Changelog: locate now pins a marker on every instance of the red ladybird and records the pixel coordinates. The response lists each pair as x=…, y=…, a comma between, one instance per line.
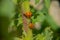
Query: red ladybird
x=31, y=25
x=28, y=14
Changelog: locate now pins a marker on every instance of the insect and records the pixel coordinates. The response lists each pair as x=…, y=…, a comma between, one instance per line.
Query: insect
x=28, y=14
x=31, y=25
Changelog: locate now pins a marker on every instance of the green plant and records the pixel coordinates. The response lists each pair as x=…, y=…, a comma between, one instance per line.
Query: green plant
x=18, y=20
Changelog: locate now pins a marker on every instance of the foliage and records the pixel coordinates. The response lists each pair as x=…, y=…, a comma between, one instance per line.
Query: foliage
x=11, y=21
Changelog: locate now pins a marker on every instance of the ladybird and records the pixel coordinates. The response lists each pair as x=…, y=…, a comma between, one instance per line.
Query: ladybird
x=28, y=14
x=31, y=25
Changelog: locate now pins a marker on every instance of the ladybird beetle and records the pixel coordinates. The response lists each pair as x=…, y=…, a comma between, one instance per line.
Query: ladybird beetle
x=28, y=14
x=31, y=25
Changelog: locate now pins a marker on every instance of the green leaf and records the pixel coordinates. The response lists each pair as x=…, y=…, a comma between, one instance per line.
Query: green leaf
x=7, y=9
x=47, y=3
x=52, y=23
x=40, y=37
x=49, y=32
x=28, y=35
x=37, y=1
